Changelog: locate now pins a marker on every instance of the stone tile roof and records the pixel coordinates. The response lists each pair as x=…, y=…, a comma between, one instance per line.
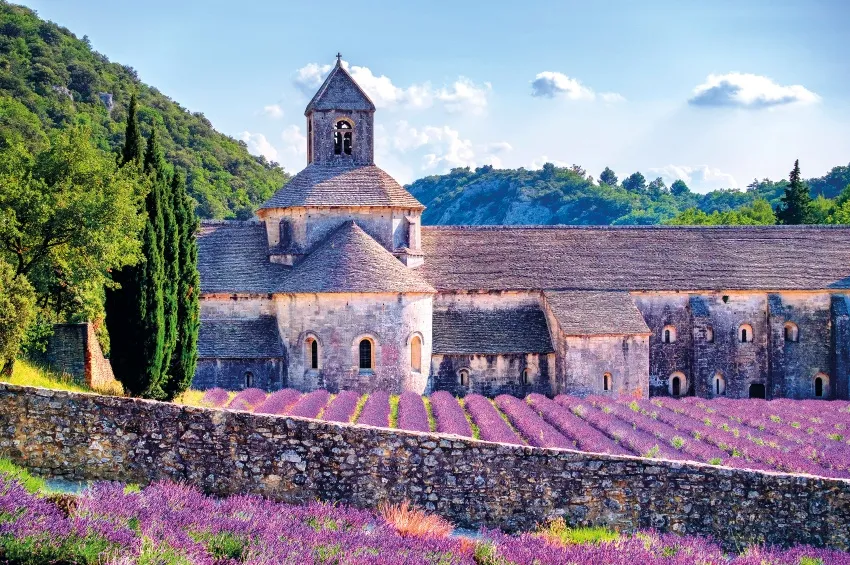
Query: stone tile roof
x=234, y=257
x=349, y=260
x=483, y=331
x=587, y=312
x=340, y=92
x=342, y=185
x=637, y=258
x=239, y=339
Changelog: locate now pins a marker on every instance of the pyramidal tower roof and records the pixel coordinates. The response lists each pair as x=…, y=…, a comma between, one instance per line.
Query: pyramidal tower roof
x=339, y=91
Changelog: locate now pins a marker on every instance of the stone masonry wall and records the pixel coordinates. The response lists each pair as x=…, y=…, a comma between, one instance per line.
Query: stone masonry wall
x=472, y=483
x=74, y=349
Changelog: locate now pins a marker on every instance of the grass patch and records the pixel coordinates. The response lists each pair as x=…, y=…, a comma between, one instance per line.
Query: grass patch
x=190, y=398
x=678, y=442
x=26, y=373
x=432, y=422
x=394, y=411
x=557, y=531
x=359, y=408
x=30, y=482
x=413, y=522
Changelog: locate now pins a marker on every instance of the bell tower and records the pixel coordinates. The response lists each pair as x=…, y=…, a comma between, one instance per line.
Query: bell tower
x=340, y=122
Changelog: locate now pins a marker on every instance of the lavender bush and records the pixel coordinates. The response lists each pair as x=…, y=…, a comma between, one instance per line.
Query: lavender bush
x=215, y=397
x=309, y=405
x=450, y=417
x=376, y=411
x=278, y=402
x=491, y=425
x=534, y=429
x=247, y=399
x=411, y=413
x=341, y=408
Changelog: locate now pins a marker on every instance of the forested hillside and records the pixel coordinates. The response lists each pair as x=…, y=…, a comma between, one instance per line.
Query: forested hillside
x=50, y=79
x=569, y=195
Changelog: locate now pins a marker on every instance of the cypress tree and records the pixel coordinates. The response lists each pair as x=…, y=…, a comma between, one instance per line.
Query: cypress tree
x=796, y=203
x=155, y=165
x=133, y=143
x=185, y=357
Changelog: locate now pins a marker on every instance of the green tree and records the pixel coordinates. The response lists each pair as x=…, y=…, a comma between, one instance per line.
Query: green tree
x=17, y=305
x=133, y=143
x=185, y=357
x=608, y=177
x=758, y=214
x=68, y=216
x=796, y=204
x=679, y=188
x=635, y=182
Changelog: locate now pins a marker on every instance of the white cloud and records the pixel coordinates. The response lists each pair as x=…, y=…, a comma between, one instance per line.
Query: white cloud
x=443, y=148
x=294, y=141
x=465, y=96
x=462, y=96
x=750, y=91
x=542, y=160
x=549, y=84
x=274, y=111
x=699, y=179
x=259, y=145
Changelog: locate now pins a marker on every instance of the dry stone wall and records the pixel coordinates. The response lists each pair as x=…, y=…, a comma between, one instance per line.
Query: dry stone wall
x=472, y=483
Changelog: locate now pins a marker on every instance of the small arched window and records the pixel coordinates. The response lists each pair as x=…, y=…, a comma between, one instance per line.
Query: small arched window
x=668, y=334
x=709, y=334
x=607, y=382
x=745, y=333
x=463, y=377
x=366, y=351
x=343, y=140
x=792, y=332
x=821, y=385
x=312, y=352
x=249, y=379
x=416, y=354
x=757, y=391
x=524, y=377
x=678, y=384
x=719, y=388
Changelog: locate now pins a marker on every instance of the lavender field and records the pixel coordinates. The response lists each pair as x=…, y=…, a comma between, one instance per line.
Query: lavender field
x=170, y=524
x=795, y=436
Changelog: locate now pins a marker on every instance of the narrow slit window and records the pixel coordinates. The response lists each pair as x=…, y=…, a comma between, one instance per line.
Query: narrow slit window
x=314, y=354
x=416, y=354
x=606, y=382
x=249, y=379
x=463, y=377
x=365, y=354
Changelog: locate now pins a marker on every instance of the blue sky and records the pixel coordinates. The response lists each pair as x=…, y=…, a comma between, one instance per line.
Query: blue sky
x=714, y=92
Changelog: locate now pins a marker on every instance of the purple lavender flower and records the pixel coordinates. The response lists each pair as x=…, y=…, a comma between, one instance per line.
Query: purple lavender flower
x=450, y=417
x=247, y=399
x=278, y=402
x=215, y=397
x=309, y=405
x=341, y=408
x=491, y=425
x=376, y=411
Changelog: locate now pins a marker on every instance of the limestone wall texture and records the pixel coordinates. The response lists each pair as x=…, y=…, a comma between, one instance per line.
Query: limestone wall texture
x=472, y=483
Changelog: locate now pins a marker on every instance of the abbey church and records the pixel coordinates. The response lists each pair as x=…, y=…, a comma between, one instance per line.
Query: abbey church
x=337, y=285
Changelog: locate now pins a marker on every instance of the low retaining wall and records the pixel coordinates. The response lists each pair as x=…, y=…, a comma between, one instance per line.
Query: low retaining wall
x=472, y=483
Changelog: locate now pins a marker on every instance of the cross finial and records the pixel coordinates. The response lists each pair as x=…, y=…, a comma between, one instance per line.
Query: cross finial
x=338, y=58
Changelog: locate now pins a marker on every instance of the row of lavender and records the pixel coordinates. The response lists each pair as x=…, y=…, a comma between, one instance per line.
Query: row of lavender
x=808, y=436
x=173, y=524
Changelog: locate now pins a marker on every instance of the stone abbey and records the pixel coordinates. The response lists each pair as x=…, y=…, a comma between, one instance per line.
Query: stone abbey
x=337, y=285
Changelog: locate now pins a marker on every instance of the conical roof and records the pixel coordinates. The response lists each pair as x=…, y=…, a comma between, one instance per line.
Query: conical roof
x=349, y=260
x=342, y=185
x=340, y=92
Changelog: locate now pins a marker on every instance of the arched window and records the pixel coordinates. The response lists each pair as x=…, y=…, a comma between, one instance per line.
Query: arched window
x=416, y=354
x=524, y=377
x=792, y=332
x=757, y=390
x=821, y=385
x=745, y=333
x=249, y=379
x=343, y=132
x=709, y=334
x=678, y=384
x=463, y=377
x=367, y=359
x=607, y=382
x=719, y=388
x=312, y=353
x=668, y=334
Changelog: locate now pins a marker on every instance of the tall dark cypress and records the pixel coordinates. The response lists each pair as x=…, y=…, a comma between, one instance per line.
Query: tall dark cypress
x=133, y=143
x=123, y=302
x=156, y=167
x=796, y=203
x=185, y=357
